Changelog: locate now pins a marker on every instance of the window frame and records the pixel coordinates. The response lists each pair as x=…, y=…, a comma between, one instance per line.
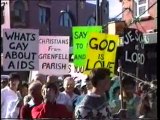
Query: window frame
x=138, y=6
x=21, y=12
x=43, y=12
x=89, y=21
x=65, y=19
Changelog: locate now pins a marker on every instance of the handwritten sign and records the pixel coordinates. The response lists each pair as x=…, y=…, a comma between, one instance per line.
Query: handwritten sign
x=53, y=55
x=20, y=49
x=101, y=51
x=133, y=50
x=80, y=41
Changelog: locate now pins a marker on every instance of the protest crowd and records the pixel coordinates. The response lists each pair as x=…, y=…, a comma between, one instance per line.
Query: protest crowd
x=97, y=97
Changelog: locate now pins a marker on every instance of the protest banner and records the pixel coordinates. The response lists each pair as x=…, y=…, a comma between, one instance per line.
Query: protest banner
x=5, y=15
x=20, y=49
x=101, y=51
x=80, y=41
x=133, y=51
x=53, y=55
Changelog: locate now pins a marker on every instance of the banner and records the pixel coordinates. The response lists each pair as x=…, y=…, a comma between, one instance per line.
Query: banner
x=133, y=51
x=101, y=51
x=80, y=40
x=5, y=15
x=20, y=49
x=53, y=55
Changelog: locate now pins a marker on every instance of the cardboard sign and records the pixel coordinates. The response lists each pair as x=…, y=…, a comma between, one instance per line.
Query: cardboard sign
x=133, y=50
x=80, y=41
x=53, y=55
x=20, y=49
x=101, y=51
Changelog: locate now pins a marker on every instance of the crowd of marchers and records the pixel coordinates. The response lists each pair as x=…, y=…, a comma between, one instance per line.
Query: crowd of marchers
x=96, y=98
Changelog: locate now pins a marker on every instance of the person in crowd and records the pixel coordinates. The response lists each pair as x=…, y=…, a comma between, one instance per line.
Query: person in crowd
x=49, y=108
x=9, y=94
x=16, y=105
x=35, y=98
x=68, y=85
x=4, y=82
x=61, y=97
x=40, y=77
x=114, y=91
x=83, y=91
x=131, y=100
x=94, y=105
x=144, y=109
x=139, y=89
x=23, y=89
x=77, y=86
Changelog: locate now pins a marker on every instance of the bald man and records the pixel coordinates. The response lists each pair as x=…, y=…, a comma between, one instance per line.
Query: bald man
x=34, y=92
x=68, y=85
x=40, y=77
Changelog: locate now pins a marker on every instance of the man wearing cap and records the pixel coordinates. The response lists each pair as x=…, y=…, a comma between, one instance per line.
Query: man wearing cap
x=9, y=94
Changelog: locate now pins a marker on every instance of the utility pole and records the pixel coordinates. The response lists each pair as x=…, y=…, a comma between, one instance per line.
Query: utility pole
x=97, y=13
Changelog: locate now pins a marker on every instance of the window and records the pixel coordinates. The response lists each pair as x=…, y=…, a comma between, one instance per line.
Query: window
x=91, y=21
x=65, y=19
x=140, y=7
x=19, y=11
x=44, y=15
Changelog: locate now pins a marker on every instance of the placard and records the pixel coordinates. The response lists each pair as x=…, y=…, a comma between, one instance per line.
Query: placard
x=53, y=55
x=20, y=49
x=101, y=51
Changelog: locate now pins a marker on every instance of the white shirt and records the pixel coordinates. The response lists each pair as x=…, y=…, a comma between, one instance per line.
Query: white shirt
x=7, y=96
x=73, y=96
x=63, y=99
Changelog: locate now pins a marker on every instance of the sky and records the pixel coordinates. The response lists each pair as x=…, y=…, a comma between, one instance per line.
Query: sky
x=115, y=7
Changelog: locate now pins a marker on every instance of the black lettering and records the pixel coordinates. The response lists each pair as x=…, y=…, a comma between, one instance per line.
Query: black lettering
x=110, y=65
x=69, y=68
x=23, y=64
x=16, y=36
x=31, y=66
x=95, y=45
x=101, y=56
x=102, y=44
x=33, y=37
x=9, y=36
x=11, y=45
x=87, y=65
x=11, y=65
x=98, y=62
x=111, y=46
x=23, y=37
x=7, y=55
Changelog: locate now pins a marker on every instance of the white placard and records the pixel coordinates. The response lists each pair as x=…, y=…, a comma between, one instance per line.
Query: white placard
x=53, y=55
x=20, y=49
